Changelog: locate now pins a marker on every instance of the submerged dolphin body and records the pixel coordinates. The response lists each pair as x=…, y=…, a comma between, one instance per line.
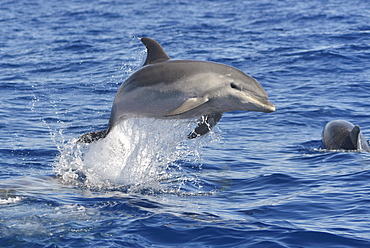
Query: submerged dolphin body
x=165, y=88
x=340, y=134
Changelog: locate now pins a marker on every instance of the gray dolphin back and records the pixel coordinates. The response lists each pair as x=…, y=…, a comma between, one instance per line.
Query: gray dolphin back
x=155, y=54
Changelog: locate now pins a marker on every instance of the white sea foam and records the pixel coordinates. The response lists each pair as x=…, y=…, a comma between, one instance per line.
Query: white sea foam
x=10, y=200
x=137, y=153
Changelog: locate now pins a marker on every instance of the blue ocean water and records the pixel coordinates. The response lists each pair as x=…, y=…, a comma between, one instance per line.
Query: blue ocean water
x=258, y=180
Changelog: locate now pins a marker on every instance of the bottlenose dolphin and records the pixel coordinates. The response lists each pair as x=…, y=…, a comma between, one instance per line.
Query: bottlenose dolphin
x=340, y=134
x=165, y=88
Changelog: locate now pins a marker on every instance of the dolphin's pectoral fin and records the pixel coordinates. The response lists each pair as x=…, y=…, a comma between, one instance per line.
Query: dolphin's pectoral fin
x=93, y=136
x=205, y=124
x=188, y=105
x=351, y=141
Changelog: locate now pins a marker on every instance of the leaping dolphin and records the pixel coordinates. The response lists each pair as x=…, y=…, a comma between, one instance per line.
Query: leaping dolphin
x=340, y=134
x=165, y=88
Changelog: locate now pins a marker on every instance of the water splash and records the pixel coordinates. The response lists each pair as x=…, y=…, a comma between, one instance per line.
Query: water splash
x=10, y=200
x=138, y=154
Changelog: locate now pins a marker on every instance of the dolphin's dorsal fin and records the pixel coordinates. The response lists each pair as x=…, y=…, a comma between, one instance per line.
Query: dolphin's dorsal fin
x=188, y=105
x=156, y=54
x=354, y=134
x=351, y=141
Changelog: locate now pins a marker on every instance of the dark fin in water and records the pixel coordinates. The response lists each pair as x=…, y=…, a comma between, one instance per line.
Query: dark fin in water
x=351, y=141
x=156, y=53
x=355, y=134
x=205, y=124
x=93, y=136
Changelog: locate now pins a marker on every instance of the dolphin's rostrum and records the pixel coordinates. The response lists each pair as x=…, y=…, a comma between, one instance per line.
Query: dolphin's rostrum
x=165, y=88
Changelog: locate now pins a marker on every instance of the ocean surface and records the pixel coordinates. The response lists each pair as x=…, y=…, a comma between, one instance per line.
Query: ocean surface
x=257, y=180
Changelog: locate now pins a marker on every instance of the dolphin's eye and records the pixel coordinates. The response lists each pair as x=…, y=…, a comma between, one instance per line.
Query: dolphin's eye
x=234, y=86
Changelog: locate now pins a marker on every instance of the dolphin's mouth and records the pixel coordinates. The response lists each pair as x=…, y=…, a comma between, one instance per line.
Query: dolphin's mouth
x=268, y=107
x=261, y=104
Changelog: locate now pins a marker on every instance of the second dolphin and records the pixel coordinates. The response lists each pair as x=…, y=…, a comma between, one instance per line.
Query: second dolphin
x=341, y=134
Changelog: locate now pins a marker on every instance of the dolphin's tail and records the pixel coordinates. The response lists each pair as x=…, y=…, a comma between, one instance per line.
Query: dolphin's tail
x=93, y=136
